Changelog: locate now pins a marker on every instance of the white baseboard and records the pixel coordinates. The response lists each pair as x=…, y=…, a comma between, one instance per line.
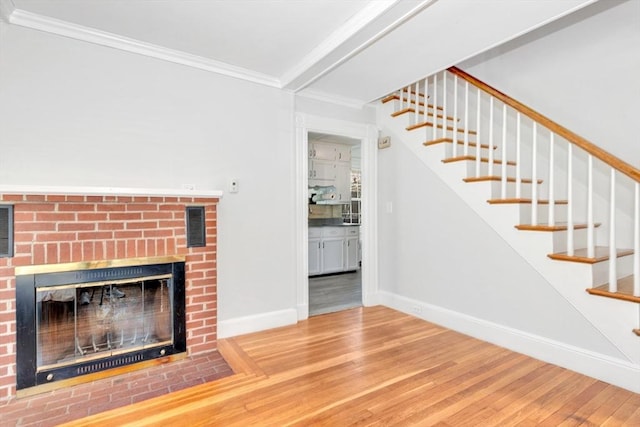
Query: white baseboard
x=256, y=322
x=613, y=371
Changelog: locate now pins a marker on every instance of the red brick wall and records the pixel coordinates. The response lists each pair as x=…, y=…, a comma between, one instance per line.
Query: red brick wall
x=52, y=229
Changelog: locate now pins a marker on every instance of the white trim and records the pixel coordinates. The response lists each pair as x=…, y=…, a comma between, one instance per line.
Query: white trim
x=102, y=191
x=256, y=322
x=331, y=98
x=103, y=38
x=347, y=30
x=611, y=370
x=367, y=134
x=362, y=46
x=7, y=7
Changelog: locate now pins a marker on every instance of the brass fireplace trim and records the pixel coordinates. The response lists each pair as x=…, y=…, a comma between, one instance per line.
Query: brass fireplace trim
x=96, y=376
x=91, y=265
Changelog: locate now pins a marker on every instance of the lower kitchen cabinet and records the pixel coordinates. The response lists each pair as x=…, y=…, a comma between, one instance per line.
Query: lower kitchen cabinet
x=333, y=249
x=315, y=266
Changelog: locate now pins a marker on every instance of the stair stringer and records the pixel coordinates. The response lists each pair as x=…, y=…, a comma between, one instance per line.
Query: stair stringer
x=613, y=318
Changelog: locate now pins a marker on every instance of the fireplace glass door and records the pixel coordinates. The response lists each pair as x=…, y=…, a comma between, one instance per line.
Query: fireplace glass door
x=87, y=321
x=78, y=322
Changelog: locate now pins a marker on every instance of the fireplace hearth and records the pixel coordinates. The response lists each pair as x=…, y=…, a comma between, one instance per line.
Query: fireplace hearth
x=81, y=318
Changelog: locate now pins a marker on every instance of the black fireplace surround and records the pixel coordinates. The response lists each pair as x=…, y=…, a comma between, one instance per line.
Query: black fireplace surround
x=74, y=323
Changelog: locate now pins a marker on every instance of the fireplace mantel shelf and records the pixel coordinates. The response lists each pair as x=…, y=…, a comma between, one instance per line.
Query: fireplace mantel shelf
x=102, y=191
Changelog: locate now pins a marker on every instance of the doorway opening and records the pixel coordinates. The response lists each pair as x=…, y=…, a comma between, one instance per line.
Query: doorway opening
x=334, y=220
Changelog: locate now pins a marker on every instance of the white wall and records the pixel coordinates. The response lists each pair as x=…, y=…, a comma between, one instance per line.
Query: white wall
x=581, y=71
x=73, y=113
x=434, y=249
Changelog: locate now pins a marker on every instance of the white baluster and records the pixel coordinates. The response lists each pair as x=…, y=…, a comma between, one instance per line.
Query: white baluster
x=417, y=106
x=435, y=107
x=478, y=135
x=490, y=173
x=503, y=186
x=591, y=249
x=552, y=202
x=426, y=96
x=466, y=119
x=534, y=176
x=444, y=104
x=455, y=115
x=401, y=103
x=570, y=245
x=613, y=274
x=518, y=171
x=636, y=242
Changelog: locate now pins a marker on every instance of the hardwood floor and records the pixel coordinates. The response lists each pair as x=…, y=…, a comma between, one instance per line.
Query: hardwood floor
x=335, y=292
x=376, y=366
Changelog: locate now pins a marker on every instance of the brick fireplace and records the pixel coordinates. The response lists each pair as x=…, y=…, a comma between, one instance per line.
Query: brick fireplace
x=58, y=228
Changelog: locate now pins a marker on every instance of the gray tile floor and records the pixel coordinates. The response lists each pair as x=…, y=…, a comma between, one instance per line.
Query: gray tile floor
x=335, y=292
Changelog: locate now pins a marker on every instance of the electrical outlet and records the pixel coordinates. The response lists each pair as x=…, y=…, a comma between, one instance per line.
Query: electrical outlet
x=188, y=186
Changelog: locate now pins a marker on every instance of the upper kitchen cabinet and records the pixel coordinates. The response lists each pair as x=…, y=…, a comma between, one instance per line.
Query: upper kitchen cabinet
x=323, y=151
x=343, y=153
x=330, y=168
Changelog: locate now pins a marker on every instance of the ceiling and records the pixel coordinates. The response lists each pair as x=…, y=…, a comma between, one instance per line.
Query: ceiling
x=354, y=51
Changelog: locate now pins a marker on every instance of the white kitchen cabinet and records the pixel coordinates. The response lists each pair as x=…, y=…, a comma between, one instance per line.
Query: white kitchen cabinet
x=330, y=166
x=322, y=171
x=332, y=255
x=343, y=182
x=352, y=250
x=322, y=151
x=333, y=249
x=343, y=153
x=315, y=260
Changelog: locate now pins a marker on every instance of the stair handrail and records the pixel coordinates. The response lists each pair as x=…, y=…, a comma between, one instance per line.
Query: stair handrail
x=558, y=129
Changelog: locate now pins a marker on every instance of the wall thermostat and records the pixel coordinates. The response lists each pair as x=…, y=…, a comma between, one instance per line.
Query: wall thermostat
x=384, y=142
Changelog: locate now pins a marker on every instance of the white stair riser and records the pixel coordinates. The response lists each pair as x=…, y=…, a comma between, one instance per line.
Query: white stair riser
x=484, y=169
x=496, y=192
x=560, y=213
x=624, y=268
x=560, y=240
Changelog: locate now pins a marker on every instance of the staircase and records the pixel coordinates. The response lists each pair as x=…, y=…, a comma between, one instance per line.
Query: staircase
x=568, y=207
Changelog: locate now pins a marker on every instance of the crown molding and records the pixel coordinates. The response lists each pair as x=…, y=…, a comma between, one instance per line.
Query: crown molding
x=361, y=19
x=103, y=38
x=331, y=98
x=6, y=10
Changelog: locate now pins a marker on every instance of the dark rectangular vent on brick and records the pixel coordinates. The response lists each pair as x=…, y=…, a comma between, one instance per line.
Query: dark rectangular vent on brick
x=6, y=230
x=196, y=235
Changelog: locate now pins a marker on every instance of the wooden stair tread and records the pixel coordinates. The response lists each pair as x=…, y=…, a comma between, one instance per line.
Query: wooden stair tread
x=395, y=97
x=524, y=201
x=625, y=290
x=601, y=253
x=637, y=332
x=498, y=178
x=482, y=159
x=559, y=226
x=430, y=124
x=421, y=113
x=450, y=140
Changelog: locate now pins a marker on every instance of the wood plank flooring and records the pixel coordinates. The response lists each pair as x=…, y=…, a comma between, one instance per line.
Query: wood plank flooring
x=335, y=292
x=376, y=366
